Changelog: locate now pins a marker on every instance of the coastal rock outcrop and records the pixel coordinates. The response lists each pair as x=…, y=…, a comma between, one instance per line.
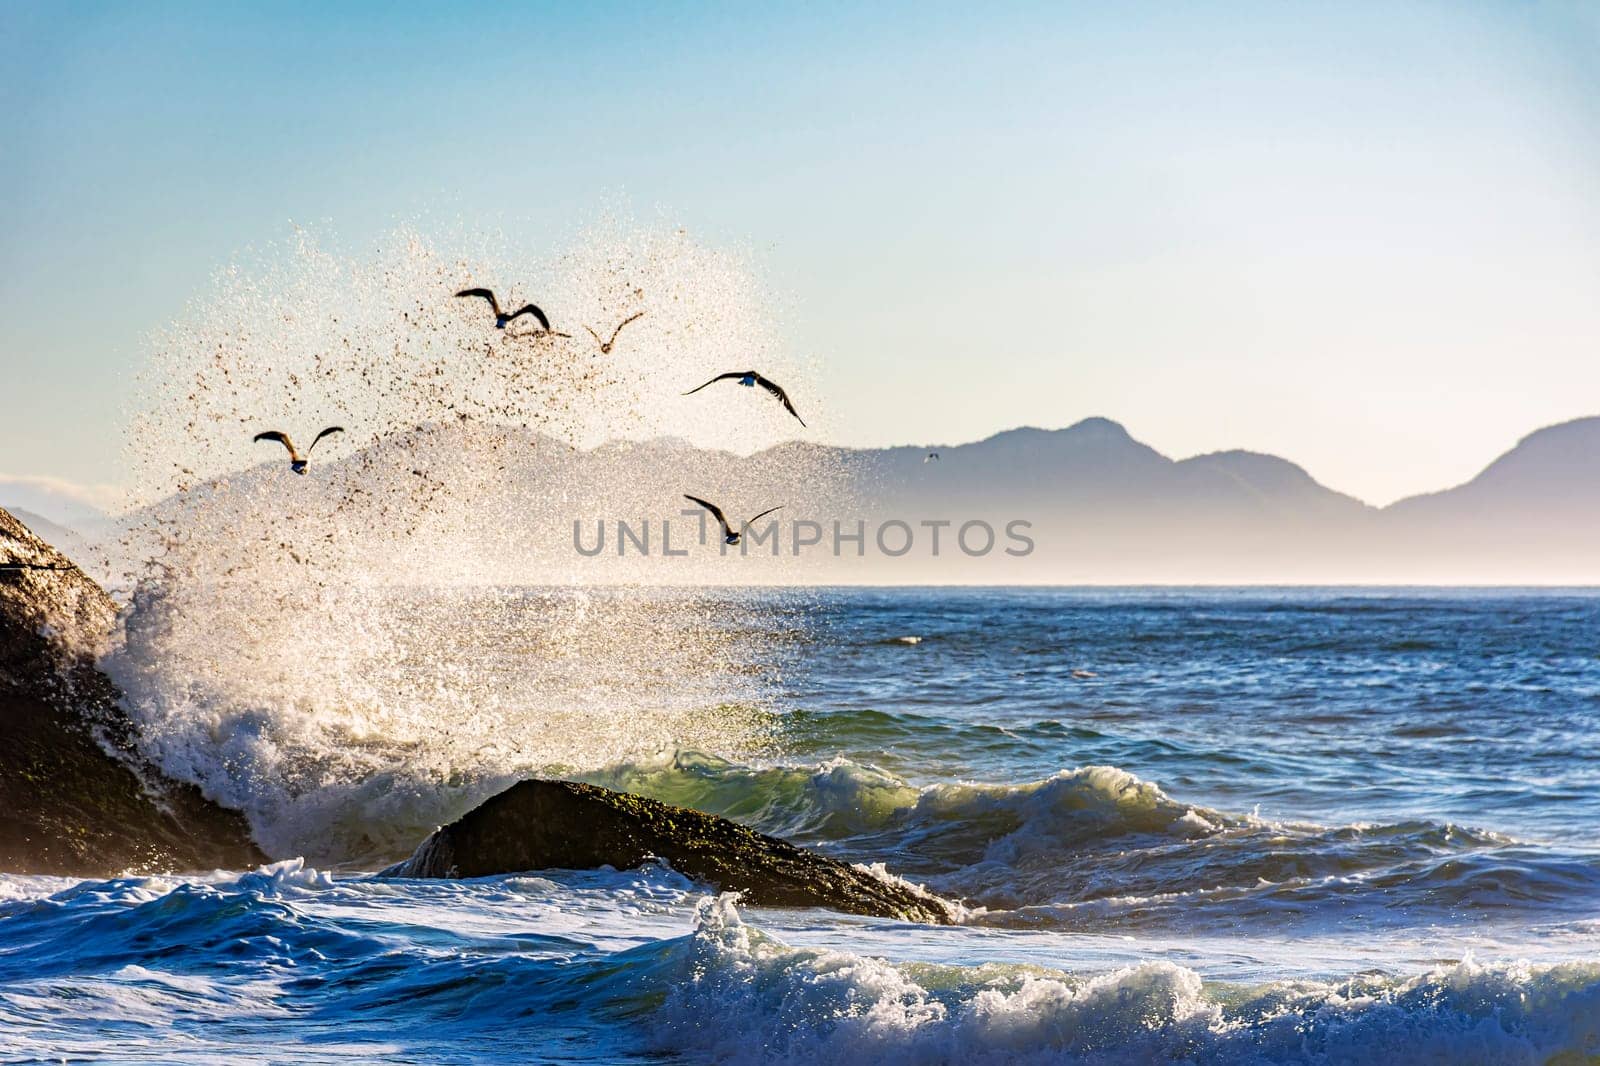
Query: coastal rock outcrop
x=75, y=796
x=539, y=825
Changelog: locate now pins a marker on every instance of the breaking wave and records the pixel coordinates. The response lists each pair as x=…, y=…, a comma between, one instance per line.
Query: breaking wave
x=738, y=995
x=196, y=970
x=1096, y=848
x=353, y=655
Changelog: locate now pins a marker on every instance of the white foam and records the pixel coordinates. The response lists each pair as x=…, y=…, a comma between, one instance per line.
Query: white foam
x=743, y=996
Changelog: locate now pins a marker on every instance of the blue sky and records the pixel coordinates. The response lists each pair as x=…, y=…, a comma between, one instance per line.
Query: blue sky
x=1362, y=236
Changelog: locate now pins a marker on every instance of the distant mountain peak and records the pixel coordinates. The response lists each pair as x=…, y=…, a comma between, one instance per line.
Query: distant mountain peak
x=1563, y=431
x=1270, y=475
x=1243, y=458
x=1551, y=472
x=1099, y=425
x=1088, y=429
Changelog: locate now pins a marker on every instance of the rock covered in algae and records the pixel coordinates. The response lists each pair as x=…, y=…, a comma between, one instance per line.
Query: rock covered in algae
x=542, y=825
x=75, y=796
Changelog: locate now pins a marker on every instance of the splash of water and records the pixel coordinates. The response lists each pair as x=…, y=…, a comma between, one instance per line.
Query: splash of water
x=291, y=645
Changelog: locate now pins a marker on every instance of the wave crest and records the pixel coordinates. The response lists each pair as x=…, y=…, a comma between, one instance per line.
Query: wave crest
x=739, y=995
x=1097, y=848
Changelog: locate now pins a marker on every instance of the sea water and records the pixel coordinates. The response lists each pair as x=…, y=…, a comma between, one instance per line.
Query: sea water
x=1208, y=826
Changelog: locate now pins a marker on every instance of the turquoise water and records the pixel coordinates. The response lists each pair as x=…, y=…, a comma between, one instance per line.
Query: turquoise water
x=1213, y=826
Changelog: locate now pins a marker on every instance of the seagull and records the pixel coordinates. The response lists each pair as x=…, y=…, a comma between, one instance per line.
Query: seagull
x=931, y=457
x=297, y=462
x=750, y=379
x=605, y=346
x=501, y=319
x=729, y=534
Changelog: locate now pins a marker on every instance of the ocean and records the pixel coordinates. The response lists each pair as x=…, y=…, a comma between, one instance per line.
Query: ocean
x=1189, y=826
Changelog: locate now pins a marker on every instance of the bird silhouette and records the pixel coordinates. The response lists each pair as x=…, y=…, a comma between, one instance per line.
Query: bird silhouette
x=605, y=346
x=297, y=462
x=750, y=379
x=501, y=319
x=931, y=457
x=729, y=534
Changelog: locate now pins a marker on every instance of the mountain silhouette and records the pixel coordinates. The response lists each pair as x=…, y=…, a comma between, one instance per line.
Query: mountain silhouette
x=1550, y=476
x=1099, y=506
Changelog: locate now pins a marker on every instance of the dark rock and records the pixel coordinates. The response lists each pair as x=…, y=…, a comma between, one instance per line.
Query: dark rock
x=75, y=796
x=541, y=825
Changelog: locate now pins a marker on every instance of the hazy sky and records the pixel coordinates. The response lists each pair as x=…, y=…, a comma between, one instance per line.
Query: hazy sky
x=1365, y=237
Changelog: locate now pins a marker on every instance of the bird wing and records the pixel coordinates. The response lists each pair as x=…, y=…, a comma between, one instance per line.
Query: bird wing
x=535, y=312
x=281, y=438
x=783, y=397
x=713, y=381
x=715, y=511
x=763, y=514
x=485, y=294
x=330, y=431
x=624, y=322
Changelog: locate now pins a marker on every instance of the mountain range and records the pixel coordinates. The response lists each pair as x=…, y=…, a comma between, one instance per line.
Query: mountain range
x=1114, y=509
x=1100, y=507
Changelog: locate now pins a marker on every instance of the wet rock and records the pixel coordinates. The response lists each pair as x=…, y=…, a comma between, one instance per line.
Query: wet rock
x=75, y=796
x=541, y=825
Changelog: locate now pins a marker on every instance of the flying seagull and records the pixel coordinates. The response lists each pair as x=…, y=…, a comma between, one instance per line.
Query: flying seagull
x=605, y=346
x=501, y=319
x=931, y=457
x=297, y=462
x=750, y=379
x=729, y=534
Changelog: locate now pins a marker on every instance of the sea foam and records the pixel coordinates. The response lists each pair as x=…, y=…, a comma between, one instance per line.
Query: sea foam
x=739, y=995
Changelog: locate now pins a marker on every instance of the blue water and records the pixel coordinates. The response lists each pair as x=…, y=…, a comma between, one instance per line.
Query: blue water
x=1321, y=826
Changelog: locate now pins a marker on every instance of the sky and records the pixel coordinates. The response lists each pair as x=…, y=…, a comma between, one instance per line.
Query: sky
x=1364, y=237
